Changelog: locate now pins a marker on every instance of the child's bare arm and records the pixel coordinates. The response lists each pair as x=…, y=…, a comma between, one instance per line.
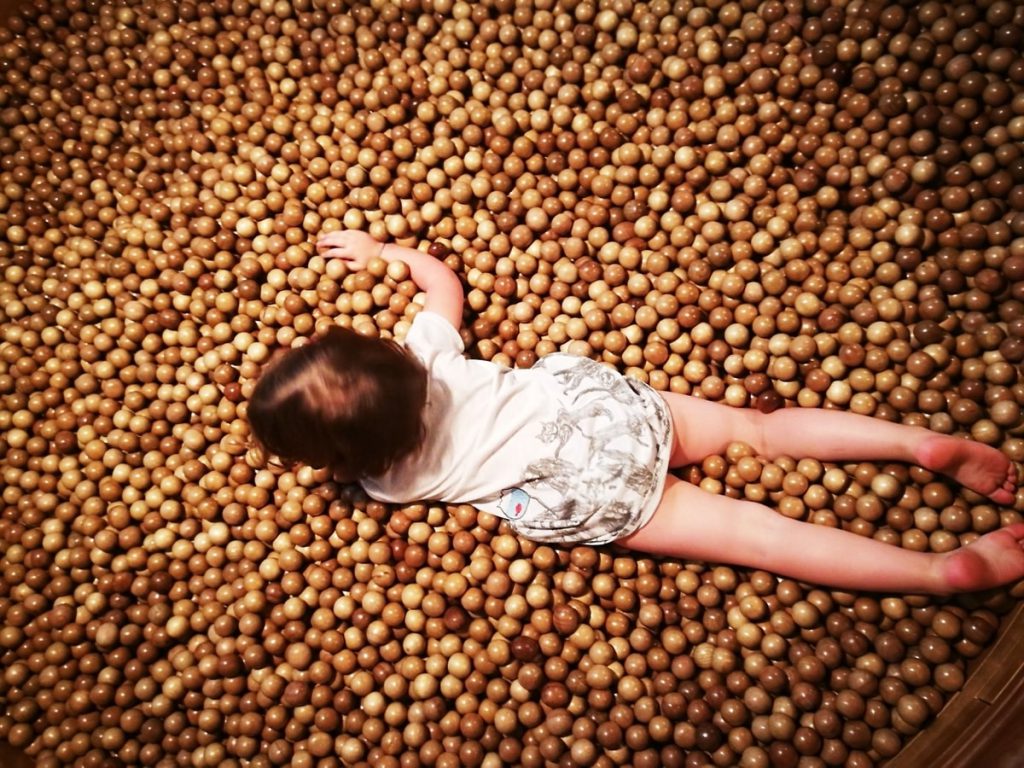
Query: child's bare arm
x=441, y=286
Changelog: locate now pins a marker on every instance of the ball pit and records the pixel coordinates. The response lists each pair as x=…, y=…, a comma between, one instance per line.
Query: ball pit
x=772, y=204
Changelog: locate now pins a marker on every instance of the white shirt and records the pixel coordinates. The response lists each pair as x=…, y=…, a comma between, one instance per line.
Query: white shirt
x=481, y=421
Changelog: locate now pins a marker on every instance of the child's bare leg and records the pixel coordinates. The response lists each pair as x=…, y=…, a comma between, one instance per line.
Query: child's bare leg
x=703, y=428
x=693, y=524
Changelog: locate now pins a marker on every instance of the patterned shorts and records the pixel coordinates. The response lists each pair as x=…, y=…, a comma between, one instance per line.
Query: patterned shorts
x=610, y=453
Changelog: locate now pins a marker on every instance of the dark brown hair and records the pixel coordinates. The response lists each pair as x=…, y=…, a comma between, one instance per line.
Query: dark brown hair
x=348, y=402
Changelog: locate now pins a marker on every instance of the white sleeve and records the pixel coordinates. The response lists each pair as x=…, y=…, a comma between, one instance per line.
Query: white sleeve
x=430, y=335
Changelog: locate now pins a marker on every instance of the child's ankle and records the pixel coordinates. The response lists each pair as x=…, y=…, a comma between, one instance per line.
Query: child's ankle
x=950, y=574
x=930, y=451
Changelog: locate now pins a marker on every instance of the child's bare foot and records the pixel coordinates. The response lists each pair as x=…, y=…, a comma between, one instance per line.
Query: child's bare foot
x=996, y=558
x=975, y=465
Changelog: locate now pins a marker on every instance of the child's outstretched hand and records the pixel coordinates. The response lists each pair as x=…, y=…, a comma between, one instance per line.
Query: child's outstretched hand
x=352, y=246
x=441, y=286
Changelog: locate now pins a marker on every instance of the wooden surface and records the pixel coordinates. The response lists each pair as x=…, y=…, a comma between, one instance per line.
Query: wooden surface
x=981, y=725
x=7, y=7
x=13, y=758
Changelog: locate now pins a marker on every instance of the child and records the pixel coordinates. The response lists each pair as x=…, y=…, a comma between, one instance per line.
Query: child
x=570, y=451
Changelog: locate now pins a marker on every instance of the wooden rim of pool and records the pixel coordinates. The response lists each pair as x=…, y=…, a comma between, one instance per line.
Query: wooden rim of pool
x=980, y=724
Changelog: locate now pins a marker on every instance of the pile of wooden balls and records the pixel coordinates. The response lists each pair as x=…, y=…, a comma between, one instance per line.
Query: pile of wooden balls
x=768, y=203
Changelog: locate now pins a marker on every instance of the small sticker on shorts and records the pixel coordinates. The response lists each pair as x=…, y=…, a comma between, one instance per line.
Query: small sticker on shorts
x=513, y=503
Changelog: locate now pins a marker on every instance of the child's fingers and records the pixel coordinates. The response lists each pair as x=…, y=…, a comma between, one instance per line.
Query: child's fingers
x=334, y=239
x=351, y=245
x=339, y=253
x=329, y=240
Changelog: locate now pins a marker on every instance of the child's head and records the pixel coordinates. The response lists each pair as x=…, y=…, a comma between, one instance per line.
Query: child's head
x=348, y=402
